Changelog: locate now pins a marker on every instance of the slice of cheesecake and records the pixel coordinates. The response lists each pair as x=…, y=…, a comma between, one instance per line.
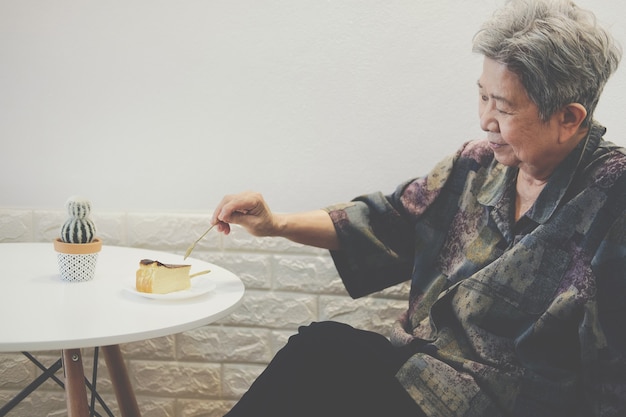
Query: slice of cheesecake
x=159, y=278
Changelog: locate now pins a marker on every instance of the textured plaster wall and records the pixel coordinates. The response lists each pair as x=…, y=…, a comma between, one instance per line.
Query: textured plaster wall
x=203, y=371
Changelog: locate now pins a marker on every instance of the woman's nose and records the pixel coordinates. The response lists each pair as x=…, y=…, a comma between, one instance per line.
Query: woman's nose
x=488, y=123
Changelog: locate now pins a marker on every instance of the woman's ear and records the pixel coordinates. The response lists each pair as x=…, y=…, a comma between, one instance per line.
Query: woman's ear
x=572, y=117
x=574, y=113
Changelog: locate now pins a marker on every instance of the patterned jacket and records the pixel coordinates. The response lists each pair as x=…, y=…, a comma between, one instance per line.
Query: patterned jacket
x=523, y=318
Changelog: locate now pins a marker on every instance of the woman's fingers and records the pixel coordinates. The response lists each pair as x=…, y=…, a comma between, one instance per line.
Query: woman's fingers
x=247, y=209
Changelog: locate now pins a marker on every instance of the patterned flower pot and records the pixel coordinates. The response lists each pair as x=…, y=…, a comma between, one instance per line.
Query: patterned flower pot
x=77, y=261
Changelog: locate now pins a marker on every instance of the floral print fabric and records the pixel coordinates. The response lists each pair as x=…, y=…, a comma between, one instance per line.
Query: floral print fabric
x=518, y=318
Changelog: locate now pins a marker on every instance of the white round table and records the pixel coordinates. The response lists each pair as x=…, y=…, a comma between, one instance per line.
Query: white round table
x=41, y=311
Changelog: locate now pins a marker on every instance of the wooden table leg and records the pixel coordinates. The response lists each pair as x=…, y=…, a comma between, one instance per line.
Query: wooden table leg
x=121, y=383
x=75, y=389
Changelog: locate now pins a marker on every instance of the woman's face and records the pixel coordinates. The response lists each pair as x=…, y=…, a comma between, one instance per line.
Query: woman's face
x=514, y=129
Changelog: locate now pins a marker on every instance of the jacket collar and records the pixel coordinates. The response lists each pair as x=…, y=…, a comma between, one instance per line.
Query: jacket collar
x=558, y=184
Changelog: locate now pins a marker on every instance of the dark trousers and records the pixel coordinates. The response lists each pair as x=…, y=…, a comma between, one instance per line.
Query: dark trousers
x=331, y=369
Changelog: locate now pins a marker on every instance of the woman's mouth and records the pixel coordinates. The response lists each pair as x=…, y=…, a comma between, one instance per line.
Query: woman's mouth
x=497, y=145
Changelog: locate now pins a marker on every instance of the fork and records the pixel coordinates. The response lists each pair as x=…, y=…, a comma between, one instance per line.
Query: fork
x=193, y=245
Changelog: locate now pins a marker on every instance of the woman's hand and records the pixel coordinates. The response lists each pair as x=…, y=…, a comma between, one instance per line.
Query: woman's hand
x=249, y=210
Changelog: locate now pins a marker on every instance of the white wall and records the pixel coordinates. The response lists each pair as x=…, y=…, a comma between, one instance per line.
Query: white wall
x=168, y=105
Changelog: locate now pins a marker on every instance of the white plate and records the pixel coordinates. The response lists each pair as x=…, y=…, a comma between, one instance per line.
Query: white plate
x=199, y=286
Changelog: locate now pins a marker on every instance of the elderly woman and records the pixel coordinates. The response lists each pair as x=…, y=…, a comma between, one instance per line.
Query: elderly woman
x=515, y=247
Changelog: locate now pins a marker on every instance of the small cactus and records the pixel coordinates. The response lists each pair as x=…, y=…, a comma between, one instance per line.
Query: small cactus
x=78, y=228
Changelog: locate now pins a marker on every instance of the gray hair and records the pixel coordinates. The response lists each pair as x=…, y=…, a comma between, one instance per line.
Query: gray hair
x=557, y=49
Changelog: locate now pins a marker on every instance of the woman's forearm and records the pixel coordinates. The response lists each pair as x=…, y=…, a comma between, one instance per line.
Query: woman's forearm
x=312, y=228
x=249, y=210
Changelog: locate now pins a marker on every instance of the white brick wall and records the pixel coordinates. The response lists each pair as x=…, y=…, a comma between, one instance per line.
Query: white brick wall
x=204, y=371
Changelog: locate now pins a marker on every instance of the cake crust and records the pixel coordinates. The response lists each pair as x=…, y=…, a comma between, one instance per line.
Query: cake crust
x=159, y=278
